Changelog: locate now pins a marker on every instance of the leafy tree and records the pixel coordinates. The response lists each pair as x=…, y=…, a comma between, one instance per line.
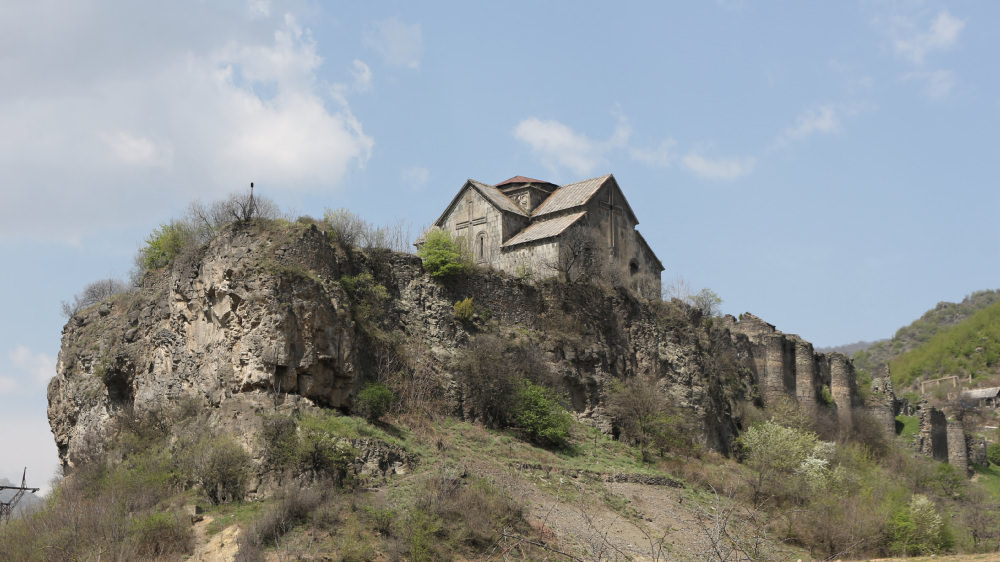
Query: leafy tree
x=775, y=452
x=221, y=467
x=645, y=417
x=918, y=528
x=374, y=400
x=538, y=414
x=164, y=244
x=707, y=301
x=464, y=309
x=443, y=256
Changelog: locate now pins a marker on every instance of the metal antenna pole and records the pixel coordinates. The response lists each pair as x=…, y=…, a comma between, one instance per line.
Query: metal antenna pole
x=7, y=508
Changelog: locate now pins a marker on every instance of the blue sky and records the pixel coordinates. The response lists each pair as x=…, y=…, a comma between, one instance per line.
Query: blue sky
x=831, y=167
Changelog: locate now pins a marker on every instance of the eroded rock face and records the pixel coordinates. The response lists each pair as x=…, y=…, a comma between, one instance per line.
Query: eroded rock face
x=261, y=312
x=250, y=313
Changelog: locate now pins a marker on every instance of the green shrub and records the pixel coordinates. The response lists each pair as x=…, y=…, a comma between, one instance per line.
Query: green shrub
x=160, y=534
x=538, y=414
x=374, y=400
x=280, y=440
x=164, y=244
x=370, y=299
x=294, y=507
x=323, y=456
x=423, y=528
x=464, y=310
x=775, y=453
x=826, y=395
x=918, y=528
x=443, y=256
x=221, y=469
x=993, y=453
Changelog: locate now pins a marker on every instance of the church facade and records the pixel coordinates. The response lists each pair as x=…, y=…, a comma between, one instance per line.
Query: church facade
x=529, y=227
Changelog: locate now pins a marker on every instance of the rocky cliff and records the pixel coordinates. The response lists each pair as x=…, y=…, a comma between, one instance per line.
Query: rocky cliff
x=274, y=315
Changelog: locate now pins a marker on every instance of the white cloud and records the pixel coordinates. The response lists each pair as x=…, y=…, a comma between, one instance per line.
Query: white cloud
x=161, y=111
x=259, y=8
x=38, y=366
x=362, y=76
x=914, y=44
x=937, y=83
x=399, y=43
x=415, y=177
x=559, y=146
x=662, y=155
x=822, y=119
x=718, y=168
x=131, y=149
x=7, y=384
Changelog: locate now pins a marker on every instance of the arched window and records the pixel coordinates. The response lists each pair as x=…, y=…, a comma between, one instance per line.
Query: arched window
x=633, y=267
x=481, y=247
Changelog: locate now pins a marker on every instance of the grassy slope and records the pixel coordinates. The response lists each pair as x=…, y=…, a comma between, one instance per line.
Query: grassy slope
x=971, y=347
x=923, y=329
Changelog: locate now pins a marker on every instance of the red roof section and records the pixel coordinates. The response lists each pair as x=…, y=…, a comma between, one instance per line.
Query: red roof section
x=522, y=179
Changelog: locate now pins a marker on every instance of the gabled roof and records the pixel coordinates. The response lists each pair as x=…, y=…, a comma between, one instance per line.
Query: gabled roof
x=522, y=179
x=543, y=229
x=570, y=195
x=981, y=393
x=499, y=200
x=491, y=193
x=578, y=194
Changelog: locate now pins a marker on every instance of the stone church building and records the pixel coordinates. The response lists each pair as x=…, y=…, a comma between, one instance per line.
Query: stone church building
x=529, y=227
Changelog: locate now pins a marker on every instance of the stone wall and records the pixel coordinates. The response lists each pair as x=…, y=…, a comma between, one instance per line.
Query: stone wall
x=882, y=405
x=481, y=226
x=958, y=453
x=943, y=439
x=787, y=365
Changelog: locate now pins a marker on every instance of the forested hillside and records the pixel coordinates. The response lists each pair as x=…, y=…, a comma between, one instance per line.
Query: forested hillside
x=971, y=347
x=920, y=331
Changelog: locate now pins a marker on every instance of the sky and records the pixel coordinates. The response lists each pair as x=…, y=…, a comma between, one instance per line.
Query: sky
x=830, y=167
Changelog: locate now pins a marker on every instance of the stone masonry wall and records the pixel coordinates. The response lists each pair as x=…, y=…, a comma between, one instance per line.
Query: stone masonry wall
x=958, y=454
x=788, y=366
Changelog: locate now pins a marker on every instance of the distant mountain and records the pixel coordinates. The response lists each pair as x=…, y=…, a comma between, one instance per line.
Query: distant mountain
x=953, y=333
x=850, y=348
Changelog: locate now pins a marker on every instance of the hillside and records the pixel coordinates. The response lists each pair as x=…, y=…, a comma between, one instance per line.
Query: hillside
x=277, y=389
x=920, y=331
x=969, y=348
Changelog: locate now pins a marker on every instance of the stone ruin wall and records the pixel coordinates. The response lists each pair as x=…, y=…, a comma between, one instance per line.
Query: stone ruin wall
x=882, y=404
x=787, y=365
x=945, y=440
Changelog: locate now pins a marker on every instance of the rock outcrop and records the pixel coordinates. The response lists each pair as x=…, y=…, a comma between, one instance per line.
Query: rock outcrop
x=787, y=366
x=269, y=316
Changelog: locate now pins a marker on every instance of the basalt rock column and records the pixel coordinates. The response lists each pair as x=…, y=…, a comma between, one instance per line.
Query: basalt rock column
x=842, y=387
x=773, y=383
x=805, y=375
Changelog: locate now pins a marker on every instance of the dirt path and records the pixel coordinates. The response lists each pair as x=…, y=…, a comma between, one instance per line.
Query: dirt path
x=220, y=547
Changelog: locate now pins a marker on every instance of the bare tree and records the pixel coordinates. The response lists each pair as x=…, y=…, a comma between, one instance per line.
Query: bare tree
x=96, y=292
x=733, y=532
x=579, y=256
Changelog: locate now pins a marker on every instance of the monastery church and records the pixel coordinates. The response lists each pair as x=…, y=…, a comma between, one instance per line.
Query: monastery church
x=531, y=227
